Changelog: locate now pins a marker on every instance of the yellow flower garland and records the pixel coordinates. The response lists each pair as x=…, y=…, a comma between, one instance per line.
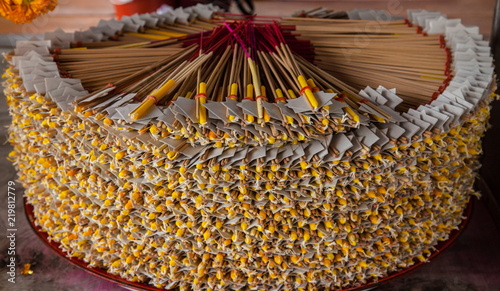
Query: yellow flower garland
x=24, y=11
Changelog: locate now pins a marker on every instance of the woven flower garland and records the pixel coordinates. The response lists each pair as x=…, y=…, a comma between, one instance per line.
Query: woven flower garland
x=25, y=11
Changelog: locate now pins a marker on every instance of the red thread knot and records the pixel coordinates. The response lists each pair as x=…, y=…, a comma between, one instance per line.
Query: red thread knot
x=199, y=95
x=152, y=97
x=303, y=90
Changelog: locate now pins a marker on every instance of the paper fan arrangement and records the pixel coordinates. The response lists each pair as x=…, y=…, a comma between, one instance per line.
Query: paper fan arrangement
x=208, y=151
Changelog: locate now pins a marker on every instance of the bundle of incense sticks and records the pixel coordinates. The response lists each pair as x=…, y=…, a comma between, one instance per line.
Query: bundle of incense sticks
x=244, y=62
x=149, y=36
x=242, y=155
x=321, y=12
x=371, y=53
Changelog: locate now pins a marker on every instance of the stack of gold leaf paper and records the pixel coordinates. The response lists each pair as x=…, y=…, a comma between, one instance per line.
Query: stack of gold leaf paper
x=206, y=151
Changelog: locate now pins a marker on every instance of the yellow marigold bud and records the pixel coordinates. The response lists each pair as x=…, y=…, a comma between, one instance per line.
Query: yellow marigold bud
x=129, y=205
x=374, y=219
x=307, y=236
x=120, y=155
x=108, y=121
x=278, y=259
x=244, y=225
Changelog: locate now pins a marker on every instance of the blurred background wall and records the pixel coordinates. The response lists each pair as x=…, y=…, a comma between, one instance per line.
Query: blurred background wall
x=79, y=14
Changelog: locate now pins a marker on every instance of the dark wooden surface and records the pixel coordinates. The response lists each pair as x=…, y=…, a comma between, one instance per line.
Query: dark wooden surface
x=473, y=263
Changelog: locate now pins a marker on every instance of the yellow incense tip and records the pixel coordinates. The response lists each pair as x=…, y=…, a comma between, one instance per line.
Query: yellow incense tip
x=302, y=81
x=163, y=90
x=250, y=90
x=267, y=118
x=202, y=99
x=234, y=89
x=203, y=88
x=311, y=84
x=307, y=91
x=279, y=93
x=142, y=109
x=354, y=116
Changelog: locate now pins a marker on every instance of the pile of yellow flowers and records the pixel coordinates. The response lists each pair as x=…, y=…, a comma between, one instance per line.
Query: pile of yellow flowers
x=257, y=227
x=24, y=11
x=175, y=208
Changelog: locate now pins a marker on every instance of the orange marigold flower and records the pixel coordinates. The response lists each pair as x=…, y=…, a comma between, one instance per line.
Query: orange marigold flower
x=24, y=11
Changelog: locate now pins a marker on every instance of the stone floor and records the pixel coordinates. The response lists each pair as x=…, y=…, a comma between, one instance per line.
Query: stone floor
x=472, y=263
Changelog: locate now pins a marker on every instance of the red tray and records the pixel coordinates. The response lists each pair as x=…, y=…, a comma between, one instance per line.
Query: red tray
x=98, y=272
